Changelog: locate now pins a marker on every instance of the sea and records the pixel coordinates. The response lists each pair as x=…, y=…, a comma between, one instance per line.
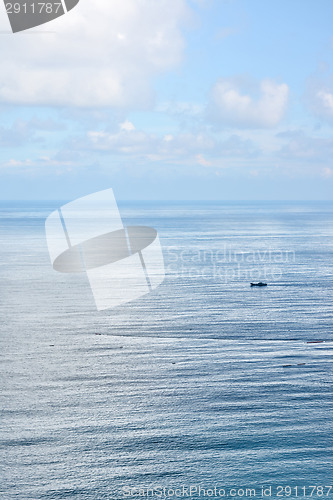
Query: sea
x=204, y=388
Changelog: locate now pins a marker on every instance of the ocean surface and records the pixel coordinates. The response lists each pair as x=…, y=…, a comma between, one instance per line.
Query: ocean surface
x=204, y=383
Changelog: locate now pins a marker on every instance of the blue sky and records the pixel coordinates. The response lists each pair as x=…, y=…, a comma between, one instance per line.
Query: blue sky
x=205, y=99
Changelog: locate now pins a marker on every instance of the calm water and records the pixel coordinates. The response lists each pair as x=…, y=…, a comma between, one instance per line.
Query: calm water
x=206, y=381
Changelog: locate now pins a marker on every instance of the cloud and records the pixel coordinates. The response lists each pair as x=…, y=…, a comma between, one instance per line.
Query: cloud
x=327, y=172
x=326, y=100
x=29, y=165
x=302, y=147
x=17, y=134
x=321, y=103
x=22, y=132
x=180, y=109
x=127, y=125
x=236, y=146
x=202, y=161
x=128, y=143
x=45, y=125
x=16, y=163
x=102, y=53
x=225, y=33
x=319, y=95
x=229, y=106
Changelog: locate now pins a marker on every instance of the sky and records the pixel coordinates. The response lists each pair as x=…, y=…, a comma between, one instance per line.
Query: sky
x=170, y=100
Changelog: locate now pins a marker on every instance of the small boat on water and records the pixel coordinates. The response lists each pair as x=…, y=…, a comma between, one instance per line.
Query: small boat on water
x=259, y=284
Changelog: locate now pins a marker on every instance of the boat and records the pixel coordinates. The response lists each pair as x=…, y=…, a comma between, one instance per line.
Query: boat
x=259, y=284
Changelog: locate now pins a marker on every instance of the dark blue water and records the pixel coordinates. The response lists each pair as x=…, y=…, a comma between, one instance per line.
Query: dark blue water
x=205, y=381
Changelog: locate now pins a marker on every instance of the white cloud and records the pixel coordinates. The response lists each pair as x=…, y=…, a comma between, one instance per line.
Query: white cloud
x=326, y=99
x=22, y=132
x=322, y=104
x=305, y=148
x=101, y=53
x=127, y=125
x=225, y=32
x=19, y=133
x=254, y=173
x=319, y=96
x=16, y=163
x=178, y=108
x=128, y=142
x=30, y=165
x=198, y=148
x=230, y=107
x=202, y=161
x=327, y=172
